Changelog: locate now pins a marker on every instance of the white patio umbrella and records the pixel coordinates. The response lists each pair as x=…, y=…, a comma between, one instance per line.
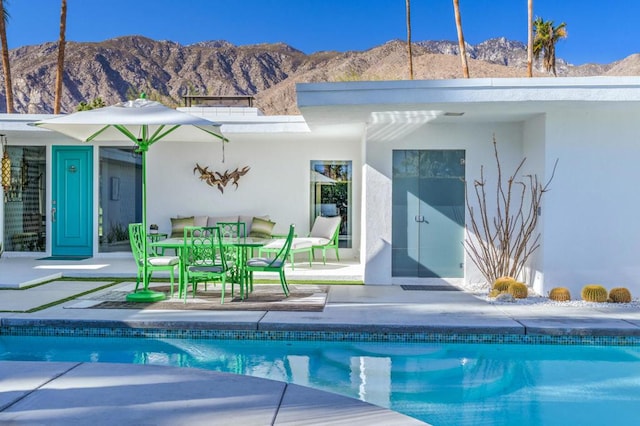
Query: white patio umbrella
x=144, y=123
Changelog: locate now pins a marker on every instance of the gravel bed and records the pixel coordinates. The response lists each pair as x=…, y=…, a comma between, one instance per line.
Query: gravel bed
x=482, y=292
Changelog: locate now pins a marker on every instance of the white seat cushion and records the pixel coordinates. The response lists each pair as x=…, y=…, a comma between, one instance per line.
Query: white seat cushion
x=300, y=243
x=163, y=260
x=317, y=241
x=205, y=268
x=262, y=261
x=296, y=243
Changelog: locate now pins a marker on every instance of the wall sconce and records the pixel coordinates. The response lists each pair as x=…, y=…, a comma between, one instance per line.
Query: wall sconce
x=6, y=165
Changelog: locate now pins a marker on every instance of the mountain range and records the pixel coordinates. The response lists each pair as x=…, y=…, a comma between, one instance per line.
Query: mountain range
x=118, y=69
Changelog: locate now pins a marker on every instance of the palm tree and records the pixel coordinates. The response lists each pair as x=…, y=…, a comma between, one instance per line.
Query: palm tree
x=60, y=67
x=530, y=38
x=409, y=39
x=5, y=57
x=544, y=42
x=463, y=50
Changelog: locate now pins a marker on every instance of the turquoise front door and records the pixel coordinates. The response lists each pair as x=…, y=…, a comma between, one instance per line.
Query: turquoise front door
x=428, y=213
x=72, y=201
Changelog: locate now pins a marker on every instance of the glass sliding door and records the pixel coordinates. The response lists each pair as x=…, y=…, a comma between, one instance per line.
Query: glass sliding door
x=120, y=197
x=428, y=213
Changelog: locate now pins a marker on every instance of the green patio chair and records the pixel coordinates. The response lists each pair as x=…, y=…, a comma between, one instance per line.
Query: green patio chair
x=232, y=229
x=155, y=262
x=204, y=258
x=324, y=235
x=275, y=264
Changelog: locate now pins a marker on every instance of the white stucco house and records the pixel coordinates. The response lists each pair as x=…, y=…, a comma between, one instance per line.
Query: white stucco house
x=397, y=155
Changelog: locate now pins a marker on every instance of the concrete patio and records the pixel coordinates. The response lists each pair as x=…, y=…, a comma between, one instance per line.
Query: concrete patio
x=356, y=308
x=348, y=308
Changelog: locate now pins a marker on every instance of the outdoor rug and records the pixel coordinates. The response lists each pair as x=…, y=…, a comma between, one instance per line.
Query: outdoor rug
x=265, y=297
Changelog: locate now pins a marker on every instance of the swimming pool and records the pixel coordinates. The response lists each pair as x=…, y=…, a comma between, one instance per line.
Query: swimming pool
x=440, y=383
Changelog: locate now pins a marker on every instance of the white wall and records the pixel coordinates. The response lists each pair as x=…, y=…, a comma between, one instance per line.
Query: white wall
x=534, y=152
x=591, y=214
x=277, y=185
x=476, y=139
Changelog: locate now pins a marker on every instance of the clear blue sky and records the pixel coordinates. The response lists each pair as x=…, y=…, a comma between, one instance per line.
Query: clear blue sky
x=599, y=31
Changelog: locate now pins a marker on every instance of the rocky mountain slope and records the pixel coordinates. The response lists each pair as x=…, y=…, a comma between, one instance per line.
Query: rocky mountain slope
x=118, y=69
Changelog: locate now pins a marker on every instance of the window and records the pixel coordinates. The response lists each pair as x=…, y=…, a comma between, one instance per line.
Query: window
x=331, y=194
x=120, y=197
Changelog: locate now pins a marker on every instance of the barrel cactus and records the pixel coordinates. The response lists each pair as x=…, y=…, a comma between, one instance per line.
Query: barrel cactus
x=502, y=283
x=495, y=293
x=518, y=290
x=619, y=295
x=560, y=294
x=594, y=293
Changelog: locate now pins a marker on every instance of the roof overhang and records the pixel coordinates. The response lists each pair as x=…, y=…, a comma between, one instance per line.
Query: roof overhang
x=462, y=100
x=249, y=120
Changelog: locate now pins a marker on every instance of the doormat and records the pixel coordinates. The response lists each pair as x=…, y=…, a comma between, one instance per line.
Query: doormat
x=65, y=258
x=265, y=297
x=430, y=287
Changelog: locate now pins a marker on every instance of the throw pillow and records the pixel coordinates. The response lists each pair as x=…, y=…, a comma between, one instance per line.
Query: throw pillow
x=261, y=228
x=248, y=220
x=178, y=224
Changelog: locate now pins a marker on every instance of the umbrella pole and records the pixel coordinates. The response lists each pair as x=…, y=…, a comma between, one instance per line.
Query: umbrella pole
x=145, y=295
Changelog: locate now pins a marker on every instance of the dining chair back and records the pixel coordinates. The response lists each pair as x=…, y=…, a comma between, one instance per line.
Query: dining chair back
x=275, y=264
x=154, y=261
x=204, y=258
x=232, y=229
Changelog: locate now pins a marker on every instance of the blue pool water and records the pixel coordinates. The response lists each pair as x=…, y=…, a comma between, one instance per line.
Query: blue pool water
x=443, y=384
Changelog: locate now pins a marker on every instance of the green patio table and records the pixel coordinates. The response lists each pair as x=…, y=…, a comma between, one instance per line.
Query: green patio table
x=157, y=236
x=245, y=244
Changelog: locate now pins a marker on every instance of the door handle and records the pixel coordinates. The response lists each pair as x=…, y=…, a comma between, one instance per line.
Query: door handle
x=421, y=219
x=53, y=214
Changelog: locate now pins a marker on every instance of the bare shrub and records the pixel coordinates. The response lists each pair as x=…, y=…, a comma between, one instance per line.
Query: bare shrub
x=500, y=244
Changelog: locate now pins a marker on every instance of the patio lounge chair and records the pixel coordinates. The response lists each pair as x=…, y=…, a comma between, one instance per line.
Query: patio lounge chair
x=298, y=245
x=154, y=261
x=276, y=264
x=324, y=235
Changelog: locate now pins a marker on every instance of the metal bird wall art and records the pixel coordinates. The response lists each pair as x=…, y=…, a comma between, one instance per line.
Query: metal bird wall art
x=220, y=180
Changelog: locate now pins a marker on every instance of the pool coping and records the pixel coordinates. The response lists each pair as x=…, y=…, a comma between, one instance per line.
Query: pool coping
x=370, y=312
x=185, y=330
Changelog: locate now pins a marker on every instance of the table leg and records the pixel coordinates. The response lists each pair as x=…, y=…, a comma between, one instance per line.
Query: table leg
x=181, y=273
x=242, y=271
x=244, y=276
